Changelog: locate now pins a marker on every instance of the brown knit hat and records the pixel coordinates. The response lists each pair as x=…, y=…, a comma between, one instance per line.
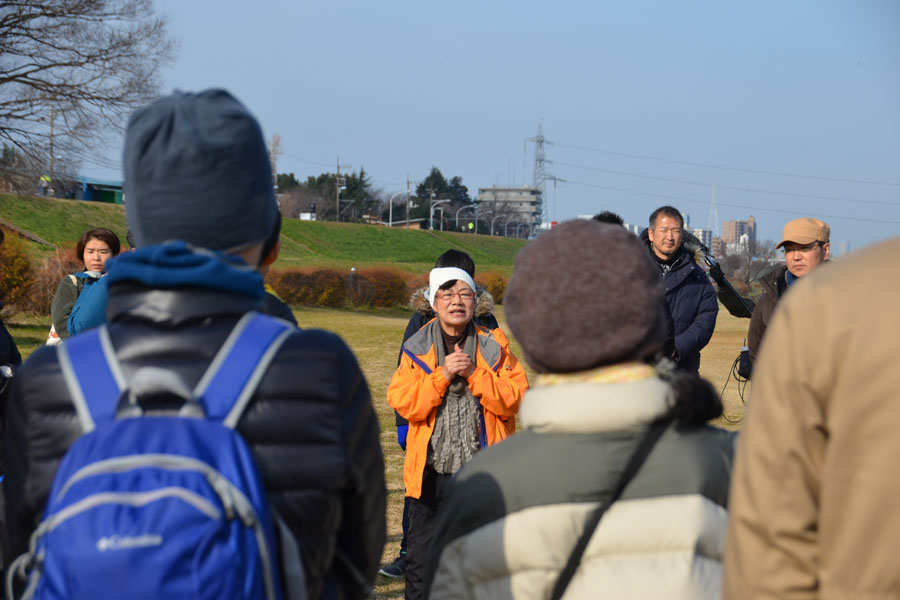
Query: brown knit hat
x=582, y=295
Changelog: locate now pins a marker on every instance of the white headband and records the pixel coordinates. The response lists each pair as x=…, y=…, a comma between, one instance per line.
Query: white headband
x=439, y=277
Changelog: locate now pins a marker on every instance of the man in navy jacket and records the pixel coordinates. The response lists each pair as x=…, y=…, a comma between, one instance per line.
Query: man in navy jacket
x=689, y=294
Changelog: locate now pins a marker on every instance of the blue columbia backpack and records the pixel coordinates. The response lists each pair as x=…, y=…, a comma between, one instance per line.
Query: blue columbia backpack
x=160, y=497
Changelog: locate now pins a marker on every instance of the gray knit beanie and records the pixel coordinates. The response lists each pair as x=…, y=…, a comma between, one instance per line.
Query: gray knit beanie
x=197, y=169
x=583, y=295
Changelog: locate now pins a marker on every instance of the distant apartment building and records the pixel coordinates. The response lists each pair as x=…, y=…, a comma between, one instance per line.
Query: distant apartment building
x=733, y=230
x=522, y=204
x=704, y=235
x=717, y=247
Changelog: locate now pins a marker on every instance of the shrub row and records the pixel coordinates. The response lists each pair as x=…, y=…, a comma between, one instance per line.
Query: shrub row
x=29, y=286
x=330, y=287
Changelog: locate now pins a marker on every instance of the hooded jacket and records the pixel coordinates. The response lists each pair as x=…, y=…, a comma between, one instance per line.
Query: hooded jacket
x=513, y=514
x=418, y=387
x=310, y=423
x=692, y=304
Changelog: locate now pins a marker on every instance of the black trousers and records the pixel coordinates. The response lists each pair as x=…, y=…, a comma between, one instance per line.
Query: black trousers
x=422, y=517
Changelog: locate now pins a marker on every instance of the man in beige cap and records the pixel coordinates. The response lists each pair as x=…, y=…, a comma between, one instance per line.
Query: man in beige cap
x=805, y=244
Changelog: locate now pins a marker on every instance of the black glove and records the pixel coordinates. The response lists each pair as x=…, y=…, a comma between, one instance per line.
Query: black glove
x=715, y=271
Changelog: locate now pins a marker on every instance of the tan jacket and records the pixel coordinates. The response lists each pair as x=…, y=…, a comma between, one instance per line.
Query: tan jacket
x=815, y=498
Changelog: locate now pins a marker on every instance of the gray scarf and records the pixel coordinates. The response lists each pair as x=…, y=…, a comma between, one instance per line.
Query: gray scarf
x=457, y=426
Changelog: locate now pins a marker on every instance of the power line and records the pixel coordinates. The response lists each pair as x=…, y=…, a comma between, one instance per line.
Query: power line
x=725, y=167
x=305, y=160
x=732, y=205
x=730, y=187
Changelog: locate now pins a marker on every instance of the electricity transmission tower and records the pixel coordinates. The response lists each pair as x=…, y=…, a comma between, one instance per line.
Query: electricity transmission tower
x=541, y=176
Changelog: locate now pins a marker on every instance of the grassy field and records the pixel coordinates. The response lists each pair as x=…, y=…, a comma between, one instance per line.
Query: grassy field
x=375, y=338
x=60, y=222
x=304, y=243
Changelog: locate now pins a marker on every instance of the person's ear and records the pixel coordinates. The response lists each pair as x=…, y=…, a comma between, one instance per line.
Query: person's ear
x=273, y=255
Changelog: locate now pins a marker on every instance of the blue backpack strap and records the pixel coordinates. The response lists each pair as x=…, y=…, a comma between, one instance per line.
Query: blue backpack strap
x=240, y=364
x=93, y=376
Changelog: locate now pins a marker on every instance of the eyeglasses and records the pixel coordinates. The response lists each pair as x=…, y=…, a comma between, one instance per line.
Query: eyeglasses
x=464, y=295
x=788, y=248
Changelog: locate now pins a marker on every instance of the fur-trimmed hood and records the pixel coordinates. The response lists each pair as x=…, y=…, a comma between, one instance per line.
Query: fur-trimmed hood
x=691, y=246
x=484, y=303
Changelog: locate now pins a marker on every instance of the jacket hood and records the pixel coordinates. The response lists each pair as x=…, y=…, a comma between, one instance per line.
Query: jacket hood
x=484, y=303
x=174, y=283
x=692, y=251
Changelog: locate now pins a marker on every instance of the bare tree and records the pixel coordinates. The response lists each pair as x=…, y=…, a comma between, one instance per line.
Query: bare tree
x=302, y=200
x=750, y=262
x=71, y=69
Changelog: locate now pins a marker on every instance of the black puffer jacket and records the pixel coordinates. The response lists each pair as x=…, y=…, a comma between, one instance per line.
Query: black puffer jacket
x=311, y=426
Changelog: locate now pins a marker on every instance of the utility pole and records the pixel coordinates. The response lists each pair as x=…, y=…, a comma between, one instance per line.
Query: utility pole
x=274, y=153
x=338, y=182
x=431, y=207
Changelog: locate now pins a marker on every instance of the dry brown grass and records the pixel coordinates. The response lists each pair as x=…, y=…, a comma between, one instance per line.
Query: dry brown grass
x=375, y=339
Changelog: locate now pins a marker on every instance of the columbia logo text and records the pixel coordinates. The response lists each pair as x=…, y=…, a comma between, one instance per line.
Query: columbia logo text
x=125, y=542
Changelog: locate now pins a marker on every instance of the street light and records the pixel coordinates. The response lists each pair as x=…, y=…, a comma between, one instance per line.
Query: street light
x=478, y=215
x=391, y=209
x=475, y=206
x=506, y=227
x=492, y=223
x=431, y=215
x=517, y=228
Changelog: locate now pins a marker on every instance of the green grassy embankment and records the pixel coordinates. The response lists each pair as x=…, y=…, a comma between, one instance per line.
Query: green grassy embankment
x=304, y=243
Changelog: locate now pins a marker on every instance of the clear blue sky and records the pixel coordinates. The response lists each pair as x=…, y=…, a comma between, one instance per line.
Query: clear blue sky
x=789, y=108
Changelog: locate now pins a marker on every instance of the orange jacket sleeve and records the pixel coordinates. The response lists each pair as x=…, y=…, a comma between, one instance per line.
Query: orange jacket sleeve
x=499, y=387
x=413, y=392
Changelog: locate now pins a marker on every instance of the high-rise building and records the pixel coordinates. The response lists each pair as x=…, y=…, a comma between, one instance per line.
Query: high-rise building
x=733, y=230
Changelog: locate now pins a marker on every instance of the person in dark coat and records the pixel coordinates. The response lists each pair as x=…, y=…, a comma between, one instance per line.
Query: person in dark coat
x=689, y=294
x=198, y=173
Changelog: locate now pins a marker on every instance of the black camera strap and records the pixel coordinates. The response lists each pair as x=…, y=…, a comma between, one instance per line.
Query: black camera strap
x=634, y=464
